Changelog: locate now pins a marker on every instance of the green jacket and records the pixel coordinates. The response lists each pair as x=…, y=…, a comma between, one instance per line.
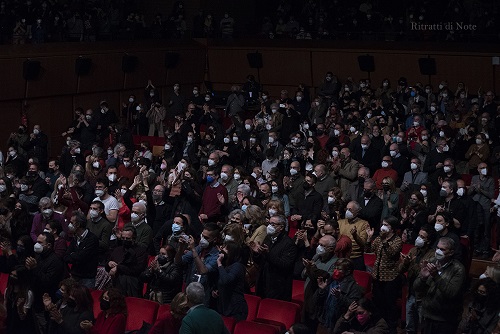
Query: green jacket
x=442, y=295
x=202, y=320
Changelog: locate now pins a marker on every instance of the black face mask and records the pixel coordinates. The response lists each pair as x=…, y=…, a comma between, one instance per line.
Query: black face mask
x=386, y=188
x=306, y=186
x=361, y=180
x=127, y=243
x=162, y=260
x=367, y=193
x=105, y=305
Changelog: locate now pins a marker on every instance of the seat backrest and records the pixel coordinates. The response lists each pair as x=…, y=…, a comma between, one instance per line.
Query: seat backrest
x=229, y=323
x=249, y=327
x=369, y=259
x=96, y=296
x=363, y=279
x=253, y=305
x=4, y=278
x=406, y=248
x=163, y=311
x=277, y=310
x=140, y=310
x=298, y=289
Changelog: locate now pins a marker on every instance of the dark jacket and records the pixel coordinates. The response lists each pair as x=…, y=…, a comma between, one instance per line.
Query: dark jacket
x=131, y=263
x=83, y=257
x=71, y=321
x=167, y=280
x=442, y=295
x=373, y=326
x=46, y=276
x=372, y=211
x=231, y=301
x=309, y=207
x=275, y=279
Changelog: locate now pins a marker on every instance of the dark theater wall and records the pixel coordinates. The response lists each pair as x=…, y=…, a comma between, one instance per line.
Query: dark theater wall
x=58, y=90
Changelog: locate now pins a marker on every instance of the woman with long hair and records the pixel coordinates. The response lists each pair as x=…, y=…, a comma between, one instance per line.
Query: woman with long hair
x=482, y=315
x=79, y=307
x=18, y=301
x=390, y=198
x=256, y=217
x=361, y=317
x=113, y=316
x=230, y=286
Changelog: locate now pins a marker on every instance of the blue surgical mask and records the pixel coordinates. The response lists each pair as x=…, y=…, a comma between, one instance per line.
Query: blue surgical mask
x=210, y=178
x=176, y=228
x=244, y=207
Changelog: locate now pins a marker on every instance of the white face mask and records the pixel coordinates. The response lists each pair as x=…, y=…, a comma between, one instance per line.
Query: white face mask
x=271, y=140
x=299, y=98
x=419, y=242
x=484, y=171
x=393, y=153
x=335, y=154
x=235, y=139
x=424, y=137
x=438, y=227
x=47, y=212
x=336, y=132
x=211, y=162
x=253, y=175
x=270, y=230
x=99, y=192
x=413, y=166
x=272, y=212
x=274, y=189
x=77, y=150
x=226, y=140
x=112, y=177
x=439, y=254
x=228, y=238
x=433, y=108
x=305, y=126
x=446, y=169
x=134, y=217
x=204, y=243
x=331, y=200
x=24, y=187
x=195, y=92
x=364, y=146
x=385, y=164
x=94, y=213
x=349, y=214
x=224, y=176
x=293, y=171
x=38, y=248
x=384, y=229
x=248, y=127
x=352, y=129
x=123, y=191
x=237, y=176
x=320, y=250
x=460, y=191
x=96, y=164
x=3, y=187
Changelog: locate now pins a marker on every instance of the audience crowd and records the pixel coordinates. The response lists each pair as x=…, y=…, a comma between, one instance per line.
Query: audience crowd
x=36, y=22
x=236, y=201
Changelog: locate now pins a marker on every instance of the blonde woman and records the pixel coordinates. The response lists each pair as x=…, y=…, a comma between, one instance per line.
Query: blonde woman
x=390, y=198
x=256, y=217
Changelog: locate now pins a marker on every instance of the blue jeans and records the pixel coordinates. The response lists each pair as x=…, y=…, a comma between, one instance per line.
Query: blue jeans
x=413, y=315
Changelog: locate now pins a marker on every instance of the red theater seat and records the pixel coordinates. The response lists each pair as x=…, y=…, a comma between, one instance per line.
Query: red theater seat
x=364, y=280
x=250, y=327
x=140, y=310
x=96, y=296
x=229, y=323
x=273, y=311
x=253, y=306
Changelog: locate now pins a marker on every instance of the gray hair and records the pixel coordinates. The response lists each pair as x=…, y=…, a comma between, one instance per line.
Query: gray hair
x=331, y=242
x=356, y=205
x=245, y=189
x=139, y=205
x=236, y=212
x=371, y=182
x=44, y=201
x=281, y=219
x=449, y=242
x=195, y=293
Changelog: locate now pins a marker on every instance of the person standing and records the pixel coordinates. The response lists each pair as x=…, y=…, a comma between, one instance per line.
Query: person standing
x=386, y=279
x=441, y=283
x=276, y=258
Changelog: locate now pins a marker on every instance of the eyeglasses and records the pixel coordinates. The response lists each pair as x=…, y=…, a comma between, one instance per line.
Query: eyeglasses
x=275, y=224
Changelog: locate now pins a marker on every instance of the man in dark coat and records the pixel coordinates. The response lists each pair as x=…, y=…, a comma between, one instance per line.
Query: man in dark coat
x=371, y=205
x=276, y=258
